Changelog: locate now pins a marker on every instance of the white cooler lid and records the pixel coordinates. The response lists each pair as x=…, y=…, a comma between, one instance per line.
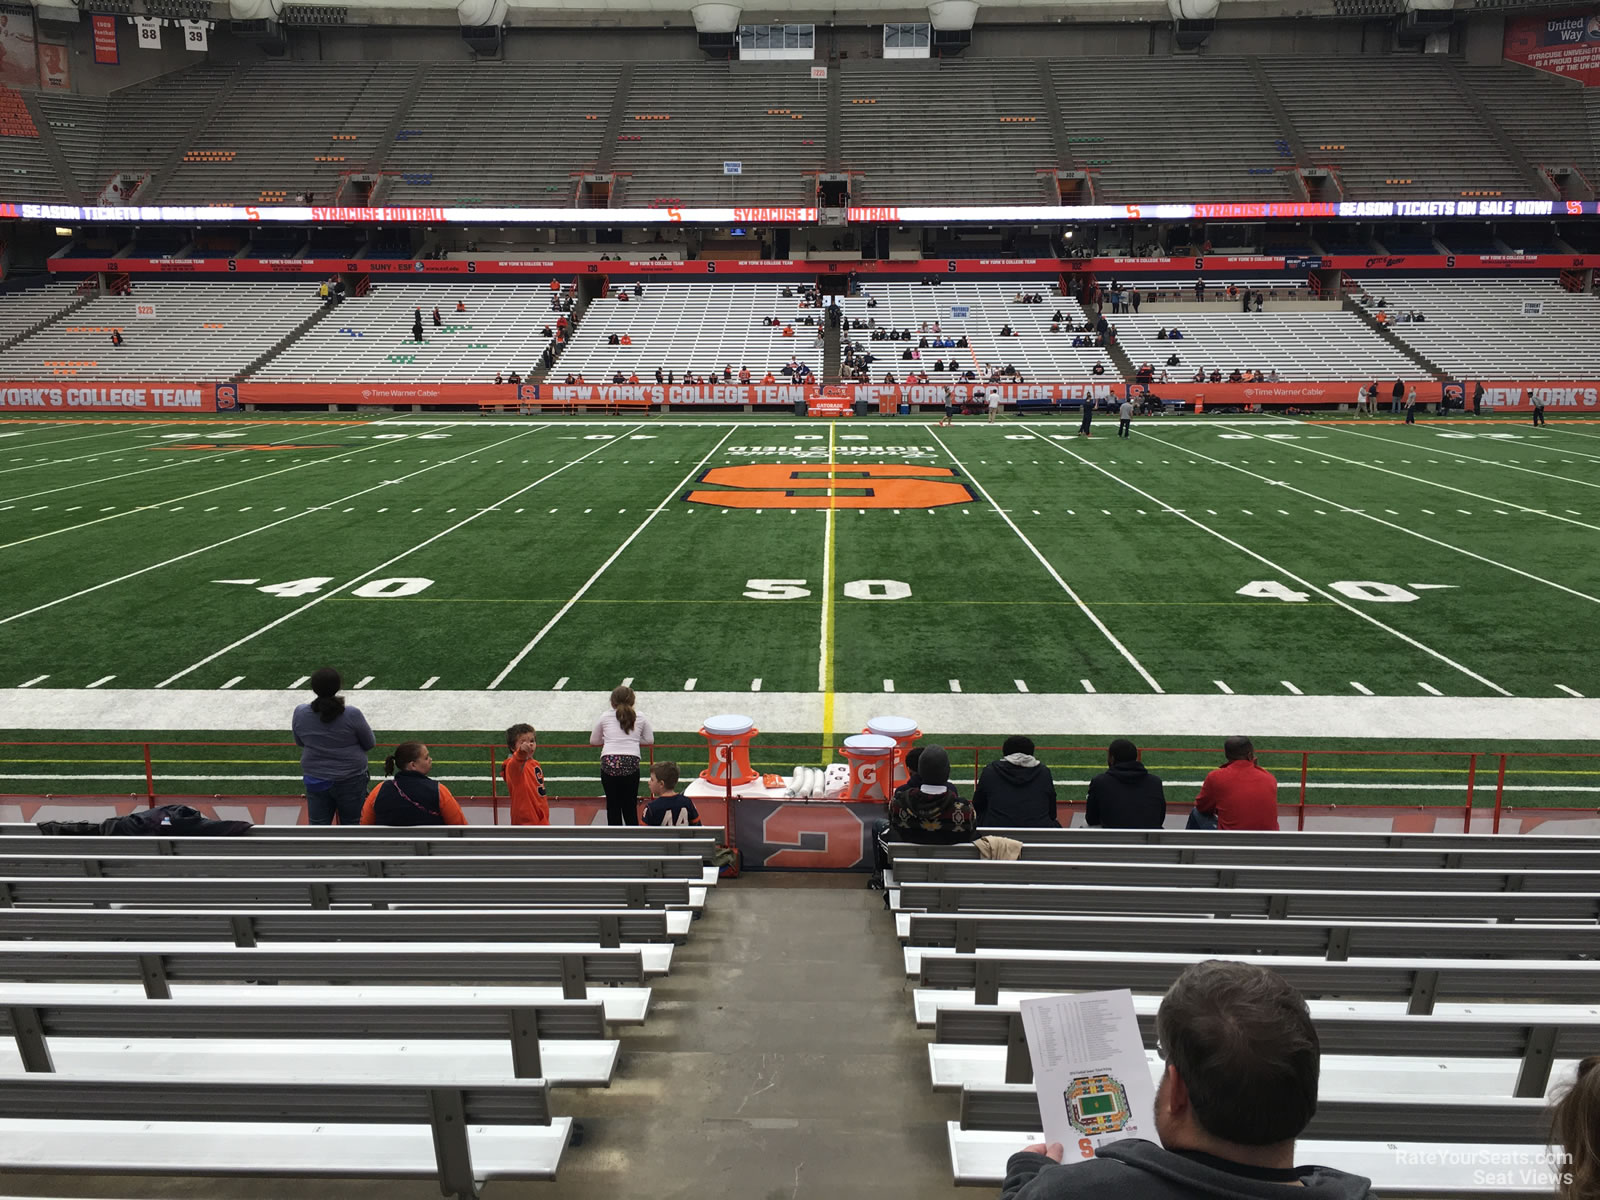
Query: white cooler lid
x=728, y=725
x=869, y=744
x=895, y=727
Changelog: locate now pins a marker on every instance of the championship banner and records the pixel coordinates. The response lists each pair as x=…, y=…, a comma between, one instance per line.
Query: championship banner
x=19, y=66
x=1567, y=45
x=108, y=397
x=105, y=39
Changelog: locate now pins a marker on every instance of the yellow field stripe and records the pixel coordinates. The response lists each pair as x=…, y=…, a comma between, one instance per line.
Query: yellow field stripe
x=825, y=667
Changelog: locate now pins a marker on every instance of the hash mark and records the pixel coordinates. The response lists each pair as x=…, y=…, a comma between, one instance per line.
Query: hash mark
x=1429, y=688
x=98, y=682
x=431, y=680
x=300, y=683
x=236, y=680
x=1087, y=686
x=560, y=683
x=688, y=684
x=755, y=684
x=34, y=680
x=1222, y=687
x=1361, y=687
x=362, y=682
x=888, y=685
x=1021, y=686
x=1293, y=691
x=955, y=685
x=1569, y=691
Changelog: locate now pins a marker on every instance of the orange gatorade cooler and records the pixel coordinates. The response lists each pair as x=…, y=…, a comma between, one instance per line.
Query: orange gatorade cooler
x=729, y=737
x=871, y=759
x=904, y=731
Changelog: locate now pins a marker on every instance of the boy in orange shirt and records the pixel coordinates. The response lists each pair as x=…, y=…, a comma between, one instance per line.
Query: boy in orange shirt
x=525, y=777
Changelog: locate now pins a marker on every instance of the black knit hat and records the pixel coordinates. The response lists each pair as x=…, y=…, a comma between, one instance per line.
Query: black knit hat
x=933, y=768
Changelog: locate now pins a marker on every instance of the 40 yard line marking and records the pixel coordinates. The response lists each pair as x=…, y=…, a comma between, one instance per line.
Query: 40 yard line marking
x=1392, y=525
x=1265, y=561
x=1045, y=563
x=615, y=554
x=332, y=592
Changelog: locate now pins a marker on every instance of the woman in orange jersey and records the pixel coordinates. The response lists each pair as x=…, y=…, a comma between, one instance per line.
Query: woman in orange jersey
x=525, y=777
x=409, y=796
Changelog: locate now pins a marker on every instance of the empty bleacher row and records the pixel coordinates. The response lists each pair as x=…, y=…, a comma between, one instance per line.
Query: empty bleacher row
x=1297, y=345
x=445, y=1026
x=1451, y=978
x=946, y=131
x=21, y=310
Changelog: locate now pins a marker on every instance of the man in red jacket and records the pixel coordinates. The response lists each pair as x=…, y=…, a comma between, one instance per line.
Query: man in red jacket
x=1238, y=794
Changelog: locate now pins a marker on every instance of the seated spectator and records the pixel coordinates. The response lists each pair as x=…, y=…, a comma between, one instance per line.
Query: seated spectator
x=888, y=378
x=744, y=374
x=1077, y=340
x=1057, y=316
x=633, y=377
x=570, y=378
x=1016, y=789
x=667, y=805
x=1272, y=375
x=1199, y=375
x=410, y=797
x=461, y=306
x=499, y=378
x=627, y=339
x=938, y=364
x=622, y=296
x=768, y=378
x=116, y=337
x=1173, y=360
x=1006, y=331
x=962, y=341
x=1098, y=369
x=1161, y=334
x=872, y=302
x=788, y=331
x=1235, y=376
x=618, y=377
x=1238, y=1085
x=1125, y=795
x=1175, y=335
x=547, y=332
x=1215, y=376
x=613, y=339
x=929, y=813
x=1238, y=794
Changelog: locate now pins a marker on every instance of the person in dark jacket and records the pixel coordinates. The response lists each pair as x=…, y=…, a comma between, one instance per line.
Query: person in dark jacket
x=408, y=796
x=1016, y=789
x=1125, y=795
x=929, y=812
x=1238, y=1085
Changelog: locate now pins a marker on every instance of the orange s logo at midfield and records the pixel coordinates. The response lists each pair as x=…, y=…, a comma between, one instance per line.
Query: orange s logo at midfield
x=854, y=485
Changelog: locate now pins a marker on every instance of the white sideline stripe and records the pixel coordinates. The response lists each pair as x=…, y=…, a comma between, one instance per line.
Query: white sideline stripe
x=367, y=574
x=1284, y=784
x=1045, y=563
x=166, y=466
x=1500, y=718
x=1305, y=583
x=1403, y=529
x=615, y=554
x=768, y=426
x=156, y=504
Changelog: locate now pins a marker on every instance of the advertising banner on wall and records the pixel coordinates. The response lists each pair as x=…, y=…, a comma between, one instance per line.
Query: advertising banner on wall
x=1567, y=44
x=19, y=63
x=105, y=39
x=103, y=396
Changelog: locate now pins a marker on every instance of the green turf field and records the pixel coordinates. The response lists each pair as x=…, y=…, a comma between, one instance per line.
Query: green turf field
x=1357, y=580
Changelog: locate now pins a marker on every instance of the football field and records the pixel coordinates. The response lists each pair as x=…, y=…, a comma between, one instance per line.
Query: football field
x=1350, y=578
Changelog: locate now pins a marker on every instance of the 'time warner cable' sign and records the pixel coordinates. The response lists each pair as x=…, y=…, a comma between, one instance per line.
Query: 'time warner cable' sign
x=778, y=215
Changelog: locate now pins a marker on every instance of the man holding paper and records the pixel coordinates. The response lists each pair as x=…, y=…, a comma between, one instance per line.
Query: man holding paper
x=1240, y=1061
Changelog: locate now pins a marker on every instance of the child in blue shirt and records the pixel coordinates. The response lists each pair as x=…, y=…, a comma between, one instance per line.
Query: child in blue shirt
x=667, y=806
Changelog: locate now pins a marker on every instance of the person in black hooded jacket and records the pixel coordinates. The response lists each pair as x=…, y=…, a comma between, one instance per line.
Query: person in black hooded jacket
x=1016, y=789
x=1126, y=795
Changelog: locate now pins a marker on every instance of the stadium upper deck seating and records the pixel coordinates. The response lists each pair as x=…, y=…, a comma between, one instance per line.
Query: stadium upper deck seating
x=1478, y=329
x=691, y=326
x=25, y=170
x=1344, y=109
x=1298, y=345
x=769, y=118
x=1543, y=114
x=368, y=339
x=200, y=331
x=1041, y=356
x=1132, y=123
x=938, y=132
x=248, y=151
x=501, y=132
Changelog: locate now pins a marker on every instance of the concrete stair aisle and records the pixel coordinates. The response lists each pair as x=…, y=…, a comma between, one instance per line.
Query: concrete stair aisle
x=832, y=353
x=324, y=312
x=47, y=141
x=1394, y=339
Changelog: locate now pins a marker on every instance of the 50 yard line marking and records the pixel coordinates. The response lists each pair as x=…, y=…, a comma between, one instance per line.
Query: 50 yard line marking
x=332, y=592
x=1045, y=563
x=615, y=554
x=1388, y=524
x=825, y=647
x=1265, y=561
x=225, y=541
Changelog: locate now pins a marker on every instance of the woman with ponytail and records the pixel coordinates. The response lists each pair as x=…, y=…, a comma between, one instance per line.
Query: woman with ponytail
x=619, y=734
x=407, y=796
x=1575, y=1134
x=334, y=739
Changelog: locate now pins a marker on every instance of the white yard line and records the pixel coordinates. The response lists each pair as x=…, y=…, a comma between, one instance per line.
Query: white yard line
x=139, y=508
x=830, y=516
x=227, y=541
x=1490, y=462
x=616, y=554
x=59, y=462
x=81, y=437
x=1492, y=718
x=1395, y=526
x=1045, y=563
x=1336, y=599
x=367, y=574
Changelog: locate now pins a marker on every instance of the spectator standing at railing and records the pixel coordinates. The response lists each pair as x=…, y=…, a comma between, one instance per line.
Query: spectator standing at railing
x=530, y=805
x=1477, y=398
x=620, y=734
x=1396, y=394
x=334, y=739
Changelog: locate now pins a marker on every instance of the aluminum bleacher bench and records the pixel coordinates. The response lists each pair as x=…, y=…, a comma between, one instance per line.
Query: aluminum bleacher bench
x=327, y=892
x=461, y=1135
x=532, y=833
x=1242, y=902
x=564, y=1042
x=1506, y=854
x=156, y=967
x=385, y=845
x=1419, y=983
x=606, y=928
x=1373, y=877
x=1408, y=1148
x=1335, y=939
x=1533, y=1043
x=346, y=865
x=1345, y=839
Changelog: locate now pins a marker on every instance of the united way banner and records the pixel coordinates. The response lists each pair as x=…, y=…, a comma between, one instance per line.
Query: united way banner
x=1567, y=45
